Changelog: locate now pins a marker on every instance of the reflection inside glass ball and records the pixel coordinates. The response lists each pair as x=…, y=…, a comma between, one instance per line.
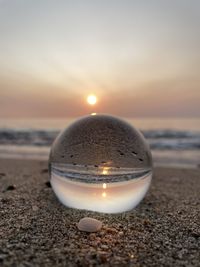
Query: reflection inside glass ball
x=100, y=163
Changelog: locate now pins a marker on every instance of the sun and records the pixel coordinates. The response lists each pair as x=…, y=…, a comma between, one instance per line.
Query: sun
x=92, y=99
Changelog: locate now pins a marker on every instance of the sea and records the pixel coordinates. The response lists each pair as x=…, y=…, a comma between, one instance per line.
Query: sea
x=174, y=142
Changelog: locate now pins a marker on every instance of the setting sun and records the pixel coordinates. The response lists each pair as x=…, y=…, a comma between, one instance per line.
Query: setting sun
x=92, y=99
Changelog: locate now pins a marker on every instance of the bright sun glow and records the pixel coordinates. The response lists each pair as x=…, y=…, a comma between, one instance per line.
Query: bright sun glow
x=104, y=194
x=105, y=170
x=92, y=99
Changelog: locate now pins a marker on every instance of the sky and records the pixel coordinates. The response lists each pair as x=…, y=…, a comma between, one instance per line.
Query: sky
x=140, y=58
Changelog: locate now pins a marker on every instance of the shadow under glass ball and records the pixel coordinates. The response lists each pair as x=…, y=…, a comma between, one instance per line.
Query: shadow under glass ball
x=100, y=163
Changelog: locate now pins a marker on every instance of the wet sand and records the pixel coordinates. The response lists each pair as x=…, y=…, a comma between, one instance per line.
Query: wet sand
x=36, y=230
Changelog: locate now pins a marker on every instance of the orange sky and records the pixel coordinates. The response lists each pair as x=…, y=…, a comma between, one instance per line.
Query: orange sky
x=141, y=58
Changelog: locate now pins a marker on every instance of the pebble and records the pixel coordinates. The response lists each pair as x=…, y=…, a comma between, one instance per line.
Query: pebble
x=10, y=188
x=44, y=171
x=48, y=184
x=121, y=233
x=89, y=225
x=104, y=247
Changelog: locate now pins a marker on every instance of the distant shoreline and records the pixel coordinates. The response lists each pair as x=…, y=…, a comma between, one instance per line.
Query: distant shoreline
x=174, y=142
x=162, y=158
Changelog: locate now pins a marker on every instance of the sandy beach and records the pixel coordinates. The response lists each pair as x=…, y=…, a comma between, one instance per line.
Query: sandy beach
x=36, y=230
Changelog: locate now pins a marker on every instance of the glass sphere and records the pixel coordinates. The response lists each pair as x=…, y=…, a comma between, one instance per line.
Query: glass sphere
x=100, y=163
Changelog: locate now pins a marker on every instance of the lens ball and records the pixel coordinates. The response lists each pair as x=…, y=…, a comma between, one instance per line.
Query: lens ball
x=100, y=163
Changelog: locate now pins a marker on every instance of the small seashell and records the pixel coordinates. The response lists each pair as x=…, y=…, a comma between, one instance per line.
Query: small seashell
x=89, y=225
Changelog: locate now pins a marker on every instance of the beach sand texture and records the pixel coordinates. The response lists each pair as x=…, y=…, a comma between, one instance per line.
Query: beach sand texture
x=36, y=230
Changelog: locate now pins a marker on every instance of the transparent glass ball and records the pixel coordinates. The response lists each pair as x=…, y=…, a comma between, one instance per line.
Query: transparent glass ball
x=100, y=163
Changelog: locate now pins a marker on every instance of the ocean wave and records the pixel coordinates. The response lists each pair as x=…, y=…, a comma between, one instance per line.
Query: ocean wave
x=27, y=137
x=157, y=139
x=176, y=143
x=170, y=134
